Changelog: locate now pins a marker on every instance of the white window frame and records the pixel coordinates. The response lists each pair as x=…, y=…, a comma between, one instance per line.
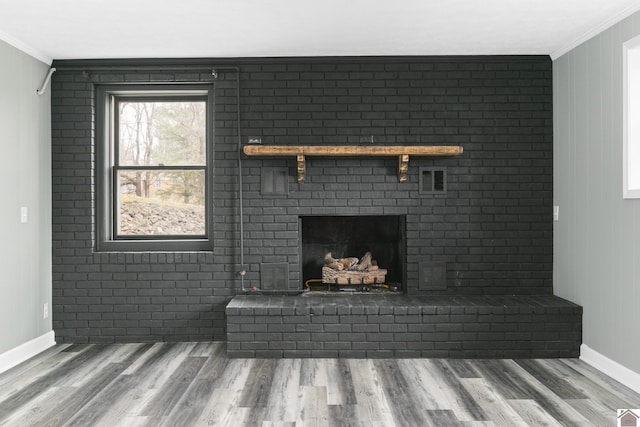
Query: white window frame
x=631, y=119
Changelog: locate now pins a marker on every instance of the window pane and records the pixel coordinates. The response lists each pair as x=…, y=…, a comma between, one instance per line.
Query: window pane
x=152, y=203
x=162, y=133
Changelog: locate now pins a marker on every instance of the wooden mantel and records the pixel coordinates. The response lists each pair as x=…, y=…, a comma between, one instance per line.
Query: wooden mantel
x=403, y=152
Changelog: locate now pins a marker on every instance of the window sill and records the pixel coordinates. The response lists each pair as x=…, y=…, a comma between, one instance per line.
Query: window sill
x=200, y=245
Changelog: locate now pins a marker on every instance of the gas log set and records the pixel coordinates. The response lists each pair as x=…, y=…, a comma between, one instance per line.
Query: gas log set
x=354, y=274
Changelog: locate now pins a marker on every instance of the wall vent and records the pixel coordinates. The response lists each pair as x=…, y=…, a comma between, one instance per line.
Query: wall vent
x=432, y=276
x=274, y=181
x=274, y=276
x=433, y=180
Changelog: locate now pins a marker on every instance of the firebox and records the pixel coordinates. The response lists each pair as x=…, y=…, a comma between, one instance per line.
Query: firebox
x=363, y=252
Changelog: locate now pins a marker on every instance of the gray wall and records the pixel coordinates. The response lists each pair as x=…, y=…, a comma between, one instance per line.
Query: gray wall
x=25, y=180
x=492, y=228
x=597, y=239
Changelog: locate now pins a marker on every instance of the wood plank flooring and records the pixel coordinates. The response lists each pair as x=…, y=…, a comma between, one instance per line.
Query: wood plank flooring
x=193, y=384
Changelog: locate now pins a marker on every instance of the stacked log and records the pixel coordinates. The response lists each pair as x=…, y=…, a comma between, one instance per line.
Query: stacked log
x=352, y=271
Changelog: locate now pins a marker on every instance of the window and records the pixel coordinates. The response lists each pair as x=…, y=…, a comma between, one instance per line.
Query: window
x=154, y=161
x=631, y=124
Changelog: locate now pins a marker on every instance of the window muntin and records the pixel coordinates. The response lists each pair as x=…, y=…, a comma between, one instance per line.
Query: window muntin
x=154, y=175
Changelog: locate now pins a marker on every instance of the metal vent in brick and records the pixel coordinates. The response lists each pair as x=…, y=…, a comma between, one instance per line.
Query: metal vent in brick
x=433, y=276
x=274, y=182
x=433, y=180
x=274, y=276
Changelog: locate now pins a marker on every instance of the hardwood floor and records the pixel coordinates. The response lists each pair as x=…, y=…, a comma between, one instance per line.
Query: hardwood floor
x=190, y=384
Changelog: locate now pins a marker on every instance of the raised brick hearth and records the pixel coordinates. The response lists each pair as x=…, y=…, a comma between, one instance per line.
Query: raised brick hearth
x=377, y=326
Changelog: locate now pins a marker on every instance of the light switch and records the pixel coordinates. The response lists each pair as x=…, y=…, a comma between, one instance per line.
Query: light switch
x=23, y=215
x=556, y=213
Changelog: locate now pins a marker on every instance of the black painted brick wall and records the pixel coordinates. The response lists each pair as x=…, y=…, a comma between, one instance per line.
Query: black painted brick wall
x=492, y=228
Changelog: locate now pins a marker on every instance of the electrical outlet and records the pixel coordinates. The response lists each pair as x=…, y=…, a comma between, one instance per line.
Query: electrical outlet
x=45, y=310
x=23, y=215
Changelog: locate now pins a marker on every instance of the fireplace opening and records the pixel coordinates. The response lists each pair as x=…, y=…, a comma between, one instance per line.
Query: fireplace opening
x=349, y=240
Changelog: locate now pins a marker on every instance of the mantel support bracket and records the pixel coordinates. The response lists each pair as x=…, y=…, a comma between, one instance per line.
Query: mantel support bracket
x=403, y=167
x=301, y=168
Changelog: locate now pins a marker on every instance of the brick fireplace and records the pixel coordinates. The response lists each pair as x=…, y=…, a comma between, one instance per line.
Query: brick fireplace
x=480, y=223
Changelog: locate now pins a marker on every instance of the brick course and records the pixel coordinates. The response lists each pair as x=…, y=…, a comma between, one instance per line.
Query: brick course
x=492, y=228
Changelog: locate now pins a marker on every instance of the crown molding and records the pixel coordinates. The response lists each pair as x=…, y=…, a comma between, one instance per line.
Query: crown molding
x=25, y=48
x=605, y=25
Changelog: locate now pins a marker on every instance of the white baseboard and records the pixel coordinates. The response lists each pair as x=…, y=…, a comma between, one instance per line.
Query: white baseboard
x=23, y=352
x=610, y=367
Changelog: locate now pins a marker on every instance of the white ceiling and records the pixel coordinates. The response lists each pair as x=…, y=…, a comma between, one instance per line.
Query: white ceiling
x=87, y=29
